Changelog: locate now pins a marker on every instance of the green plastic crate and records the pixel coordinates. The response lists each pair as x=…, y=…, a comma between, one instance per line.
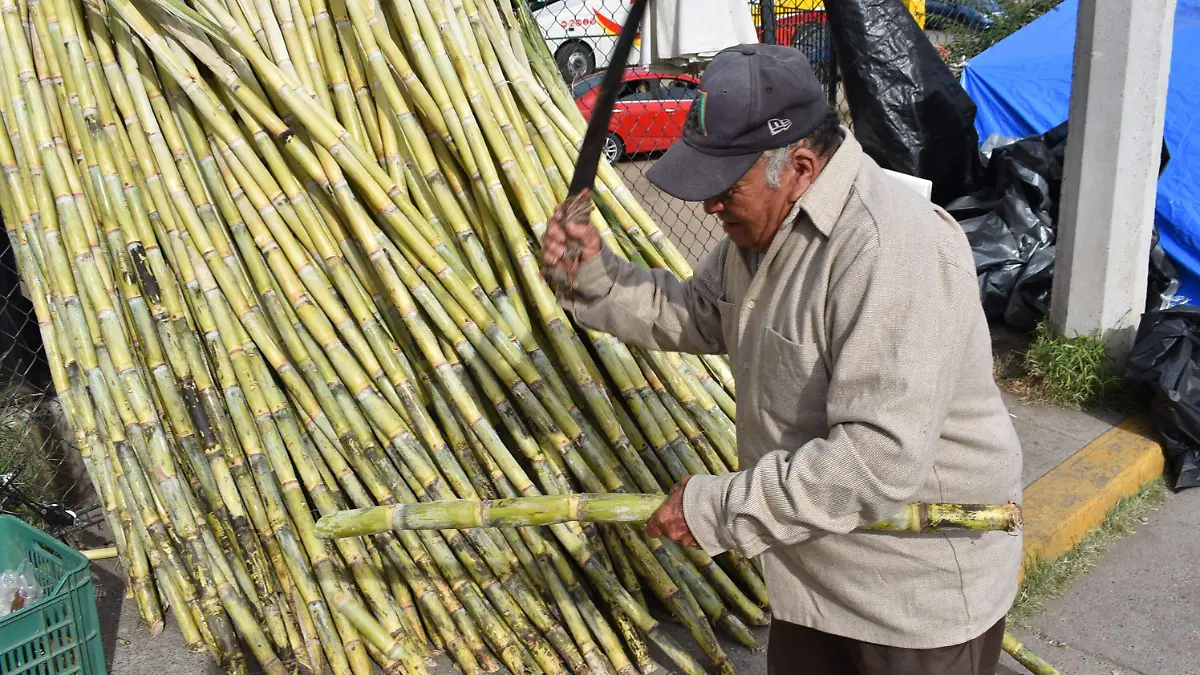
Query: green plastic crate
x=59, y=634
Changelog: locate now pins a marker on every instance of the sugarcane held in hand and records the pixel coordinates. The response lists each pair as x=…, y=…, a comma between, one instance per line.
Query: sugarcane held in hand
x=618, y=508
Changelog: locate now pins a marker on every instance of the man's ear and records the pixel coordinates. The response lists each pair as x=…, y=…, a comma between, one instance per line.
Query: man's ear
x=806, y=165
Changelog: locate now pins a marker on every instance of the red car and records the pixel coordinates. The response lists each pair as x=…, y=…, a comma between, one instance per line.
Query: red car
x=650, y=110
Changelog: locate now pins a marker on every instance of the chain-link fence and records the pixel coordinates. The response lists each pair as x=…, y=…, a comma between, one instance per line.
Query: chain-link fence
x=37, y=468
x=653, y=105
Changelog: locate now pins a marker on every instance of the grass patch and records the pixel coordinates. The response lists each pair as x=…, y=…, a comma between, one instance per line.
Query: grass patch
x=1067, y=372
x=1046, y=579
x=968, y=43
x=1072, y=371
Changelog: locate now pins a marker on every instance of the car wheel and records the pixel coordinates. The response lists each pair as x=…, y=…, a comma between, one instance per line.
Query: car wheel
x=613, y=149
x=575, y=60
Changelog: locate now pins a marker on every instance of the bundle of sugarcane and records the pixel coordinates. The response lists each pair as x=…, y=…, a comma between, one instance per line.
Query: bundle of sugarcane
x=282, y=254
x=282, y=257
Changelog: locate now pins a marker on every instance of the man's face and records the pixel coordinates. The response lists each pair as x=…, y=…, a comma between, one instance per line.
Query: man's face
x=751, y=211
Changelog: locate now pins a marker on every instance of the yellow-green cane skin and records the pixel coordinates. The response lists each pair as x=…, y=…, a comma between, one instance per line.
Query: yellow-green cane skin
x=619, y=508
x=1032, y=662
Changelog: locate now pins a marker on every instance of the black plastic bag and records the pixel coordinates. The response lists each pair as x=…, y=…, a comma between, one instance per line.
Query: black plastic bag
x=1030, y=299
x=1166, y=355
x=910, y=113
x=998, y=259
x=1010, y=224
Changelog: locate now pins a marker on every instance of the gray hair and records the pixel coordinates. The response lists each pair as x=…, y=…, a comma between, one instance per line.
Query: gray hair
x=777, y=161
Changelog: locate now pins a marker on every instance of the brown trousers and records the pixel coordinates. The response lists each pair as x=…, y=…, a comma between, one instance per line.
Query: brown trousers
x=797, y=650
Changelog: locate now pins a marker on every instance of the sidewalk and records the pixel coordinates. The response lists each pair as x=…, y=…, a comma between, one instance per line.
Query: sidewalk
x=1136, y=612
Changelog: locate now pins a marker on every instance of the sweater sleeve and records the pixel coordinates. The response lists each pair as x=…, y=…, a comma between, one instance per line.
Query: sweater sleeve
x=651, y=308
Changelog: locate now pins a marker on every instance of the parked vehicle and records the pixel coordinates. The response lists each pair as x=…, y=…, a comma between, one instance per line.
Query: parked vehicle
x=582, y=33
x=972, y=14
x=650, y=111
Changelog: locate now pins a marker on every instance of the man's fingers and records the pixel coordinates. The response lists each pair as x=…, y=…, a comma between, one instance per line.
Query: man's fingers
x=554, y=243
x=569, y=229
x=554, y=234
x=684, y=536
x=578, y=229
x=653, y=528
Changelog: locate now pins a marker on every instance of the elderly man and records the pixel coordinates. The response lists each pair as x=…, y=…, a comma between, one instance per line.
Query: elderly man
x=849, y=308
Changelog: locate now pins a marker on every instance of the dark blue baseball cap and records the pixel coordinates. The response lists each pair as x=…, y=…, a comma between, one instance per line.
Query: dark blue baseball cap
x=753, y=98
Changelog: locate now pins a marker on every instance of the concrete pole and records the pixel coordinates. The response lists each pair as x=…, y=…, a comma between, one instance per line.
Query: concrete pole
x=1118, y=103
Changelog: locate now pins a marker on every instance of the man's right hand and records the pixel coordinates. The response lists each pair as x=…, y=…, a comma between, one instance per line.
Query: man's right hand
x=570, y=224
x=668, y=521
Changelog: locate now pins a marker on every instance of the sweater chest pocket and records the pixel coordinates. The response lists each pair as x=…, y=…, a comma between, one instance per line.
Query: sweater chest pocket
x=793, y=386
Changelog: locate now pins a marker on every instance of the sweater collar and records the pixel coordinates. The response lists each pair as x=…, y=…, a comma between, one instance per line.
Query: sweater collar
x=824, y=200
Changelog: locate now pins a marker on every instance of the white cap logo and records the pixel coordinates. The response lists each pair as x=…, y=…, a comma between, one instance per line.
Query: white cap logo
x=778, y=126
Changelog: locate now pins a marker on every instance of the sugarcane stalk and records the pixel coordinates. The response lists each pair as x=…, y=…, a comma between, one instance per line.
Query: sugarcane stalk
x=620, y=508
x=1032, y=662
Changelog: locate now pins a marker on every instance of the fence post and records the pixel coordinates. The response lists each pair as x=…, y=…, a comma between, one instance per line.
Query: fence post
x=768, y=21
x=832, y=86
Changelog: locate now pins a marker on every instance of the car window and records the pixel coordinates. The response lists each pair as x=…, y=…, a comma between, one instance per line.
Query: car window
x=586, y=84
x=673, y=89
x=637, y=90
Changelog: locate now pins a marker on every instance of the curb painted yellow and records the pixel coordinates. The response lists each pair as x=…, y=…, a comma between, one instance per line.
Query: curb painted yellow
x=1073, y=498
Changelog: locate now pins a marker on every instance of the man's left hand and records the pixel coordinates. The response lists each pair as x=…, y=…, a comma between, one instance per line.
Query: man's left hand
x=668, y=520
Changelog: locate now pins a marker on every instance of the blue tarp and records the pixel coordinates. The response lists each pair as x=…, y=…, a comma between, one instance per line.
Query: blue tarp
x=1022, y=87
